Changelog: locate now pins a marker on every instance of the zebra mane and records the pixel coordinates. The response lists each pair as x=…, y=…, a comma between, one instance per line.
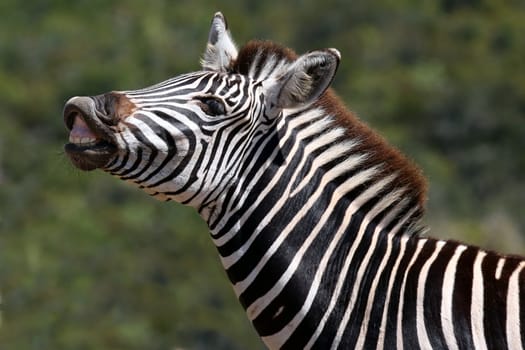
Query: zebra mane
x=379, y=152
x=263, y=59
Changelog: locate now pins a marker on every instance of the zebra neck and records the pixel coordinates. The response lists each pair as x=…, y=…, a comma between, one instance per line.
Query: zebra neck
x=309, y=200
x=305, y=181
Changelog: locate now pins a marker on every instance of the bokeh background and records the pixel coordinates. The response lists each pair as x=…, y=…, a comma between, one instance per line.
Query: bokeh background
x=87, y=262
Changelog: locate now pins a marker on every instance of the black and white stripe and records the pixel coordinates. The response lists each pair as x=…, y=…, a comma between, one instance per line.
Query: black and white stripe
x=315, y=218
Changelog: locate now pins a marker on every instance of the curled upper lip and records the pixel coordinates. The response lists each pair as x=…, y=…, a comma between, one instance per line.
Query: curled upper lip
x=92, y=143
x=86, y=108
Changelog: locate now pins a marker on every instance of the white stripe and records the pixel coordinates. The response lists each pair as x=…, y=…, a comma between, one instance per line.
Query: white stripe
x=393, y=273
x=399, y=333
x=181, y=142
x=255, y=64
x=276, y=340
x=180, y=80
x=152, y=137
x=126, y=140
x=336, y=171
x=168, y=89
x=308, y=131
x=499, y=268
x=421, y=329
x=373, y=288
x=359, y=278
x=162, y=146
x=477, y=304
x=271, y=72
x=294, y=323
x=338, y=286
x=447, y=294
x=513, y=325
x=258, y=306
x=325, y=157
x=321, y=325
x=365, y=323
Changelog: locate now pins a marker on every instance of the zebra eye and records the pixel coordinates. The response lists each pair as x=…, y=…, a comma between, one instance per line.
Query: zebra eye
x=211, y=105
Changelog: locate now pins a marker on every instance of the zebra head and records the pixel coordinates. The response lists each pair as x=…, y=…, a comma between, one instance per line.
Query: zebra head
x=164, y=136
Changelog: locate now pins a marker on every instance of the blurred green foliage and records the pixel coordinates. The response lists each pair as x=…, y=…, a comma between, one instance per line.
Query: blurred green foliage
x=88, y=263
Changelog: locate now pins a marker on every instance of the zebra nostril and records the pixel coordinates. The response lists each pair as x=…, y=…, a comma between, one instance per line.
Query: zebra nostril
x=112, y=107
x=105, y=108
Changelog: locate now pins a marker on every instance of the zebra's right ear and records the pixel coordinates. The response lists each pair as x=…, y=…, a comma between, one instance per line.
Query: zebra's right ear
x=304, y=81
x=221, y=51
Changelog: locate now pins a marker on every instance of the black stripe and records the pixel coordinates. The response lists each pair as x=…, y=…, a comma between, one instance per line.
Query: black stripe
x=340, y=254
x=133, y=167
x=124, y=160
x=172, y=148
x=494, y=304
x=143, y=140
x=462, y=297
x=395, y=297
x=300, y=284
x=409, y=329
x=378, y=304
x=267, y=203
x=190, y=137
x=193, y=175
x=181, y=80
x=246, y=175
x=268, y=235
x=351, y=334
x=434, y=296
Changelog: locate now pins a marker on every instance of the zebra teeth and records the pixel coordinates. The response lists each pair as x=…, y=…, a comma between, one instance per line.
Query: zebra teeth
x=84, y=141
x=81, y=134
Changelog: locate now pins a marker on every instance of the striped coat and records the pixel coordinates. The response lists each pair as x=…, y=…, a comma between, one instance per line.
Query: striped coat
x=315, y=217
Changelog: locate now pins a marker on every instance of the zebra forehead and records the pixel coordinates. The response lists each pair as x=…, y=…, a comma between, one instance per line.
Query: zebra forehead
x=258, y=56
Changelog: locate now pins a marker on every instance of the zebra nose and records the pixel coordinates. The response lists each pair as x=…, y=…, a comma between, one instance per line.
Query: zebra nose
x=85, y=121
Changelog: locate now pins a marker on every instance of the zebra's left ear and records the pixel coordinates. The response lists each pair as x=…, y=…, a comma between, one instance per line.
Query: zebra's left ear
x=305, y=80
x=220, y=50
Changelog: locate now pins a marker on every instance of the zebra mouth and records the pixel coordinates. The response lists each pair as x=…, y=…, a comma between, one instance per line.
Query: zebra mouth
x=91, y=142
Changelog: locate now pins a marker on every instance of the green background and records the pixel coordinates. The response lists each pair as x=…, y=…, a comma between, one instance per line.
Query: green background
x=87, y=262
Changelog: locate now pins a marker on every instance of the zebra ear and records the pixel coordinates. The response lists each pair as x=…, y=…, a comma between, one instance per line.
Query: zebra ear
x=305, y=80
x=220, y=50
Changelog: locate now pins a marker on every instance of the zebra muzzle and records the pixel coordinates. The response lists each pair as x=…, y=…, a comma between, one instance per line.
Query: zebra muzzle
x=91, y=142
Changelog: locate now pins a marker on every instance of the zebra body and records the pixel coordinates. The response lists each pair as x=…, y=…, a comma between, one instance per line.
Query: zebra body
x=315, y=217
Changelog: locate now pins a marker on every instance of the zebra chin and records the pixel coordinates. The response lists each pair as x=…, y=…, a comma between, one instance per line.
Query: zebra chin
x=91, y=157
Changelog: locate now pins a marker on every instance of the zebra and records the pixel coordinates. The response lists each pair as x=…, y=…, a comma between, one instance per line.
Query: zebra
x=316, y=219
